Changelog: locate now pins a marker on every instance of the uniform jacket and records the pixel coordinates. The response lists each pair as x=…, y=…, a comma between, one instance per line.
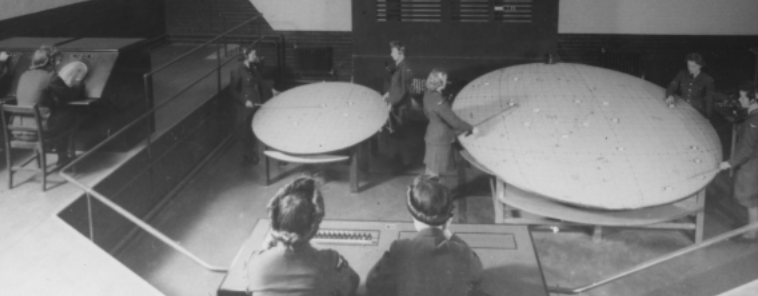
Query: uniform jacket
x=301, y=271
x=246, y=84
x=5, y=76
x=443, y=123
x=698, y=91
x=51, y=94
x=427, y=265
x=400, y=82
x=747, y=141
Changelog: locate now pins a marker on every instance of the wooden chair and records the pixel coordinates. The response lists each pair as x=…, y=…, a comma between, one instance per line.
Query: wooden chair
x=41, y=145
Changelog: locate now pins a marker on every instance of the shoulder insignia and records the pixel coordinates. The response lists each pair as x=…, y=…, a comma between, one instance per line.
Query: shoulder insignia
x=753, y=126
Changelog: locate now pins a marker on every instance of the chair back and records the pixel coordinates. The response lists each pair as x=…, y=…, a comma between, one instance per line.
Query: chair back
x=9, y=115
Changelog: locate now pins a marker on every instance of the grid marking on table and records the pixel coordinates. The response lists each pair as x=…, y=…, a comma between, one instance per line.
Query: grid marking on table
x=588, y=136
x=320, y=118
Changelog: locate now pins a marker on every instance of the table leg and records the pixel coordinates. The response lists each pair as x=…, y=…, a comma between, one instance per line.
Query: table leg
x=354, y=174
x=267, y=168
x=700, y=217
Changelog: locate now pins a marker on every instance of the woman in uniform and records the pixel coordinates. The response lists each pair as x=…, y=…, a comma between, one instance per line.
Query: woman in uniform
x=745, y=160
x=443, y=126
x=693, y=86
x=42, y=86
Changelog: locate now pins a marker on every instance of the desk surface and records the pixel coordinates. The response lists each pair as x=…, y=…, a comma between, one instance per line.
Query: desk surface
x=507, y=252
x=588, y=136
x=320, y=117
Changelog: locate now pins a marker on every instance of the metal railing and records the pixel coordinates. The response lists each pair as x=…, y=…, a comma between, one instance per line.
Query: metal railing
x=68, y=171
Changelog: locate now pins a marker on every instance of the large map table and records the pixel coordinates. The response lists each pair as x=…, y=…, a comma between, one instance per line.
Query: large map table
x=507, y=252
x=321, y=118
x=587, y=136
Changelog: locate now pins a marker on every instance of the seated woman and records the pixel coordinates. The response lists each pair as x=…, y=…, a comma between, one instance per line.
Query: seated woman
x=435, y=261
x=693, y=86
x=288, y=264
x=42, y=86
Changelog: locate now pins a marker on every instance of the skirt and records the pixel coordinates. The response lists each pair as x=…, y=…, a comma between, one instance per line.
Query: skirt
x=746, y=184
x=437, y=157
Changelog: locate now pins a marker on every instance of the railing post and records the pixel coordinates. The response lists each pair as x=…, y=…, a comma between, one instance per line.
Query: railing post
x=226, y=38
x=148, y=80
x=89, y=218
x=218, y=68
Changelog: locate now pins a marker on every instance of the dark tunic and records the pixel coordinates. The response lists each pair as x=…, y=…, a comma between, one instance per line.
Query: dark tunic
x=401, y=81
x=247, y=85
x=698, y=91
x=5, y=78
x=745, y=160
x=303, y=270
x=427, y=265
x=441, y=131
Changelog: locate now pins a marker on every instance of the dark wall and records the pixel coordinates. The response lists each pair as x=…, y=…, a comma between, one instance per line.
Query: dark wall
x=465, y=49
x=660, y=56
x=201, y=20
x=142, y=184
x=102, y=18
x=728, y=58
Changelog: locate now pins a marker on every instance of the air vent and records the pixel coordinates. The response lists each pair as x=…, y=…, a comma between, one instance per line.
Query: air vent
x=409, y=10
x=500, y=11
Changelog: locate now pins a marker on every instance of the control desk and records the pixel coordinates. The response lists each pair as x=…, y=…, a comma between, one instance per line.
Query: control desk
x=507, y=252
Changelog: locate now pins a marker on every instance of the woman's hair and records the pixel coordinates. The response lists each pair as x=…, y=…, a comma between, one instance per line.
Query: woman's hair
x=434, y=81
x=697, y=58
x=749, y=88
x=246, y=50
x=429, y=201
x=296, y=211
x=398, y=45
x=44, y=57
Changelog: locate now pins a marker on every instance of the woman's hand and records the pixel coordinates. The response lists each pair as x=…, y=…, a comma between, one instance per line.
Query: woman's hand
x=725, y=165
x=670, y=101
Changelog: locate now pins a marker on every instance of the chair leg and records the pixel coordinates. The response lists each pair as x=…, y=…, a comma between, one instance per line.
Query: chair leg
x=9, y=164
x=41, y=157
x=38, y=158
x=71, y=150
x=267, y=167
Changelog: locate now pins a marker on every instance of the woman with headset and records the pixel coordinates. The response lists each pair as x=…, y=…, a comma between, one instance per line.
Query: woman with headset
x=42, y=86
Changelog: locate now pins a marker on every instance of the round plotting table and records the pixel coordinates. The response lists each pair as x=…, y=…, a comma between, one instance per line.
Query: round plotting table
x=587, y=136
x=320, y=118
